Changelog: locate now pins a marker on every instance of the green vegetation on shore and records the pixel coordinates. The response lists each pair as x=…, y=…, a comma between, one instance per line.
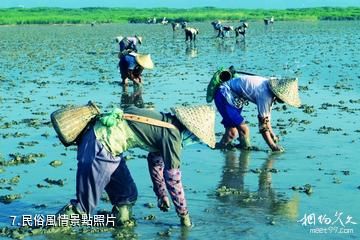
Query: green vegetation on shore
x=117, y=15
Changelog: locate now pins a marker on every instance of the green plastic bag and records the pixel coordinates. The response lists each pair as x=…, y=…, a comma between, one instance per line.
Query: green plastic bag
x=215, y=83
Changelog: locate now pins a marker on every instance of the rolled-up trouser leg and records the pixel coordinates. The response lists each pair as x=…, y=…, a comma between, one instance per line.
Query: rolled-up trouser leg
x=176, y=190
x=156, y=168
x=95, y=168
x=122, y=188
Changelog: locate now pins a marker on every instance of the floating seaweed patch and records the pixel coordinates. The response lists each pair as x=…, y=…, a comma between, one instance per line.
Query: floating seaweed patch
x=306, y=122
x=40, y=113
x=124, y=233
x=303, y=88
x=46, y=135
x=307, y=188
x=9, y=198
x=337, y=180
x=342, y=86
x=307, y=109
x=32, y=122
x=40, y=206
x=150, y=217
x=325, y=106
x=15, y=135
x=7, y=125
x=149, y=205
x=28, y=144
x=225, y=191
x=66, y=232
x=327, y=130
x=166, y=233
x=17, y=159
x=15, y=180
x=354, y=101
x=59, y=182
x=265, y=170
x=283, y=132
x=25, y=100
x=56, y=163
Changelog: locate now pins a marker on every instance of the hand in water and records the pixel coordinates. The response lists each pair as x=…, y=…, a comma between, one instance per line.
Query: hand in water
x=164, y=204
x=278, y=149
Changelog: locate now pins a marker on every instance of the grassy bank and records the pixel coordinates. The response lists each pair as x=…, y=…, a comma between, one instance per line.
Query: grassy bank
x=116, y=15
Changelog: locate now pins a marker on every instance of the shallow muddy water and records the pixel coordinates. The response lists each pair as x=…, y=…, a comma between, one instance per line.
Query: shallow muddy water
x=232, y=194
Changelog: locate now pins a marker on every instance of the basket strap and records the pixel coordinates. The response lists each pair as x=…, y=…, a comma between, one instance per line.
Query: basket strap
x=147, y=120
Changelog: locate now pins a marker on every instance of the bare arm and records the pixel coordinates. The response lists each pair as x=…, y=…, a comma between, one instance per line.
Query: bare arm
x=272, y=134
x=268, y=134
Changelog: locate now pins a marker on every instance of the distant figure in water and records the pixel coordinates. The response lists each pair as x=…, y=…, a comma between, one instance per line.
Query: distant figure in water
x=269, y=21
x=129, y=65
x=216, y=25
x=132, y=65
x=232, y=91
x=177, y=25
x=128, y=44
x=183, y=25
x=191, y=33
x=241, y=30
x=223, y=30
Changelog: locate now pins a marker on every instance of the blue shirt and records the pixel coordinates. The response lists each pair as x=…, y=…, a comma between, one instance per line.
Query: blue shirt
x=127, y=62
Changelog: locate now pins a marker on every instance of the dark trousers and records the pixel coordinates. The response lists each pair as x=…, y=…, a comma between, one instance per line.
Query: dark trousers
x=97, y=171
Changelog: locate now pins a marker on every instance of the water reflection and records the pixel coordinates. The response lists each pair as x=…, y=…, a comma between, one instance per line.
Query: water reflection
x=225, y=46
x=268, y=28
x=240, y=44
x=132, y=98
x=191, y=50
x=233, y=189
x=124, y=233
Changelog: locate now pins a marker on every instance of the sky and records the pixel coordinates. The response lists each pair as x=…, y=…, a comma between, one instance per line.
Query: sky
x=265, y=4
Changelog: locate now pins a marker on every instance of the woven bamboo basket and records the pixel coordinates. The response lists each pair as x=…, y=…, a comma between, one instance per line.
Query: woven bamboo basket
x=70, y=122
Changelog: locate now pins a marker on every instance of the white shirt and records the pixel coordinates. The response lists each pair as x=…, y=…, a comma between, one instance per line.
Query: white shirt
x=255, y=89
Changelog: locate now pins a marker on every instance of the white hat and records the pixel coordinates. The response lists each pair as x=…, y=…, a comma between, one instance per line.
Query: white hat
x=287, y=90
x=139, y=38
x=118, y=39
x=200, y=120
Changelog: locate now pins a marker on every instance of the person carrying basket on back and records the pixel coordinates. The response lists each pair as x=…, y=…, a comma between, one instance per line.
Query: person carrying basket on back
x=102, y=167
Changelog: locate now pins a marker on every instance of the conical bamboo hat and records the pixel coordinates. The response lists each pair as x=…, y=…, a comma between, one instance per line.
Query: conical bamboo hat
x=200, y=120
x=287, y=90
x=144, y=60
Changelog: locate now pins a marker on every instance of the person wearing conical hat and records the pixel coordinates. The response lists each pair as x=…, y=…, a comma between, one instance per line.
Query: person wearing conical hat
x=129, y=44
x=232, y=95
x=191, y=33
x=101, y=165
x=131, y=66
